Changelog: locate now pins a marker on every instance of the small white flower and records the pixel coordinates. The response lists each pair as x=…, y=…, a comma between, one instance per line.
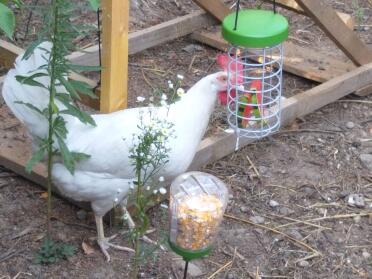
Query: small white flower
x=164, y=131
x=180, y=92
x=141, y=154
x=164, y=97
x=161, y=179
x=155, y=192
x=116, y=200
x=171, y=86
x=140, y=99
x=162, y=191
x=163, y=103
x=164, y=205
x=180, y=77
x=169, y=82
x=148, y=188
x=125, y=216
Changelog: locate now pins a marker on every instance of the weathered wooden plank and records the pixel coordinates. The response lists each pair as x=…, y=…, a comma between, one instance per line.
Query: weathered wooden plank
x=293, y=6
x=301, y=61
x=219, y=146
x=8, y=54
x=115, y=28
x=150, y=37
x=332, y=25
x=216, y=8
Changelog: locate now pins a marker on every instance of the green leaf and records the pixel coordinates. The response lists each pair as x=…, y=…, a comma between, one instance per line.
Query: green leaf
x=80, y=156
x=30, y=49
x=36, y=157
x=30, y=80
x=7, y=20
x=30, y=106
x=95, y=4
x=59, y=127
x=83, y=68
x=63, y=97
x=68, y=159
x=69, y=87
x=83, y=88
x=81, y=115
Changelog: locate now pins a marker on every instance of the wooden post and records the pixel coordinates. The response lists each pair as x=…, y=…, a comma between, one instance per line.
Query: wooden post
x=115, y=27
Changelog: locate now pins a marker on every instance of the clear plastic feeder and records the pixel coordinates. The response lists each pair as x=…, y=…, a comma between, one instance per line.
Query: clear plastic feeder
x=197, y=205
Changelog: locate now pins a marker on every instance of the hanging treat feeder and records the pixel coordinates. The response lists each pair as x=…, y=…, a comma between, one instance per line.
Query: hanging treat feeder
x=197, y=205
x=254, y=70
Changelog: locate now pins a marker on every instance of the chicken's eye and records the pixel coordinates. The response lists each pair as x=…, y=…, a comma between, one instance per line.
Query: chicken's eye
x=222, y=78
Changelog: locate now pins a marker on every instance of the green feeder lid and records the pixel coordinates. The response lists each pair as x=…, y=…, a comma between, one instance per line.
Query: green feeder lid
x=255, y=28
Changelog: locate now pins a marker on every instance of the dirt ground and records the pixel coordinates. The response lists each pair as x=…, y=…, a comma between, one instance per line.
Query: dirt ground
x=296, y=194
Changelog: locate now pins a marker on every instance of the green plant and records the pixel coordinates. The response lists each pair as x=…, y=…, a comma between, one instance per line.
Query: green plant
x=149, y=154
x=358, y=13
x=59, y=30
x=7, y=18
x=169, y=95
x=51, y=252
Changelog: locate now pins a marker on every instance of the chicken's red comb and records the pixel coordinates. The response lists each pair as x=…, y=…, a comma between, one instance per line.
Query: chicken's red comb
x=222, y=61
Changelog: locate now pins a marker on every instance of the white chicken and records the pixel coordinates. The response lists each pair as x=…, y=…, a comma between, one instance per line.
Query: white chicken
x=108, y=173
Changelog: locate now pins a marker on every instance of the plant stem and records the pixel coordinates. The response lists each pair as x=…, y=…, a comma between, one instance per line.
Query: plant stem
x=137, y=236
x=52, y=70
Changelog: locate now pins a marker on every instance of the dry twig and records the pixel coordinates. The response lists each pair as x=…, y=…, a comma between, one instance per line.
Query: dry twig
x=220, y=269
x=342, y=216
x=308, y=131
x=146, y=80
x=300, y=222
x=295, y=241
x=253, y=166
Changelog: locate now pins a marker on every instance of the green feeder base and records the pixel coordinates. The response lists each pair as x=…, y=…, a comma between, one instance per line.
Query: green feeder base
x=188, y=255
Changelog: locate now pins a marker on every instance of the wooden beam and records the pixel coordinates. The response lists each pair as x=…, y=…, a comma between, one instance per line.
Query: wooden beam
x=338, y=32
x=219, y=146
x=293, y=6
x=8, y=54
x=216, y=8
x=115, y=28
x=301, y=61
x=150, y=37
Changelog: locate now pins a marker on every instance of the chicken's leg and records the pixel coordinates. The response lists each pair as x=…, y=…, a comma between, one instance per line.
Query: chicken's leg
x=104, y=243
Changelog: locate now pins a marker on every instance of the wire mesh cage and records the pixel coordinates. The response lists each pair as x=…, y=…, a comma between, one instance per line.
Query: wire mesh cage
x=254, y=90
x=255, y=70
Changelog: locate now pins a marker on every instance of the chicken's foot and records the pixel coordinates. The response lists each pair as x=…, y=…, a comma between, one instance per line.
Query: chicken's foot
x=104, y=242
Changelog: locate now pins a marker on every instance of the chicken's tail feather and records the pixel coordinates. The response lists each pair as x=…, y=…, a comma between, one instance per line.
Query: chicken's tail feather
x=18, y=95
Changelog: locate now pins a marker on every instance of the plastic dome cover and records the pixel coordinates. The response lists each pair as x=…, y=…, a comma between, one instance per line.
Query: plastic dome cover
x=197, y=205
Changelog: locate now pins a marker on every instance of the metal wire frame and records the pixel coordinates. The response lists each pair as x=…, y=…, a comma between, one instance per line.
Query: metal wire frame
x=246, y=66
